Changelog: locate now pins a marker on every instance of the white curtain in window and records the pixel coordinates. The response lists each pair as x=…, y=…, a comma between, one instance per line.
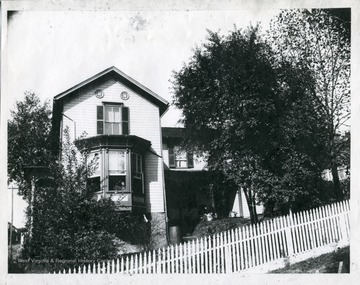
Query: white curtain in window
x=117, y=163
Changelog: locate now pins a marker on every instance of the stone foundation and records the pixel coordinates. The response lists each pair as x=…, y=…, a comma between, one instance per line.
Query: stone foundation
x=158, y=230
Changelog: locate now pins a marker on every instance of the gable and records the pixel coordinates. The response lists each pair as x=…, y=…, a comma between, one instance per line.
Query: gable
x=116, y=74
x=80, y=102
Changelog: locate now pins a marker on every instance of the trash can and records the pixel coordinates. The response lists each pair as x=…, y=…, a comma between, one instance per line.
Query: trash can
x=175, y=237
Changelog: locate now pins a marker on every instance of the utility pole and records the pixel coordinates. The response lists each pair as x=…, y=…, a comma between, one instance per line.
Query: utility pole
x=32, y=199
x=11, y=220
x=34, y=173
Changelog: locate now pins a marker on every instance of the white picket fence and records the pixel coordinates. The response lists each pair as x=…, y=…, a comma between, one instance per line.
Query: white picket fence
x=266, y=246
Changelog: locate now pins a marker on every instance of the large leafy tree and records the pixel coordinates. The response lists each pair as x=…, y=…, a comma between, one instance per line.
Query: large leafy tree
x=28, y=138
x=252, y=116
x=319, y=41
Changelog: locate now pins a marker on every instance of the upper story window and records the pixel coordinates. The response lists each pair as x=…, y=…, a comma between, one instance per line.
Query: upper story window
x=180, y=159
x=112, y=119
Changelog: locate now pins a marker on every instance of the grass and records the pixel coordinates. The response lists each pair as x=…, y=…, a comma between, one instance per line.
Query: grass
x=326, y=263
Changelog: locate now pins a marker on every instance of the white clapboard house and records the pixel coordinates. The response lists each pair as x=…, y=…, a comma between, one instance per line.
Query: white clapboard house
x=139, y=164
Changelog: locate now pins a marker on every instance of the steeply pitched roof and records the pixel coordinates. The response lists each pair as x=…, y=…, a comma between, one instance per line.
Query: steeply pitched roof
x=123, y=78
x=109, y=73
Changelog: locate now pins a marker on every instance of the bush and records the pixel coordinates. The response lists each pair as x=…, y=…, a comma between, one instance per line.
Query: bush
x=205, y=228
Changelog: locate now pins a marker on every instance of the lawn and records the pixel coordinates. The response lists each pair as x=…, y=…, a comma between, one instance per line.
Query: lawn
x=326, y=263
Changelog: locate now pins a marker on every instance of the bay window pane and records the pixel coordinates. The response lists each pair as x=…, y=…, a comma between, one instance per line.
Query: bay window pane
x=117, y=183
x=94, y=164
x=117, y=162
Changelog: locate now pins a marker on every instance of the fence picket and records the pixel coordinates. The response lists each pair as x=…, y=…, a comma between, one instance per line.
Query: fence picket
x=211, y=254
x=307, y=230
x=246, y=248
x=332, y=223
x=276, y=236
x=252, y=245
x=222, y=253
x=300, y=233
x=283, y=247
x=328, y=224
x=323, y=225
x=193, y=257
x=237, y=248
x=321, y=232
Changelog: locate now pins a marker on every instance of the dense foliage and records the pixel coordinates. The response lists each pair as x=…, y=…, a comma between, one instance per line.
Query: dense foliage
x=319, y=41
x=28, y=138
x=255, y=116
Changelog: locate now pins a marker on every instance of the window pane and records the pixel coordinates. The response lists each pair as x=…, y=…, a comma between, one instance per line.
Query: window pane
x=93, y=184
x=117, y=183
x=116, y=114
x=116, y=161
x=171, y=157
x=190, y=160
x=116, y=129
x=138, y=164
x=94, y=164
x=109, y=114
x=137, y=186
x=108, y=129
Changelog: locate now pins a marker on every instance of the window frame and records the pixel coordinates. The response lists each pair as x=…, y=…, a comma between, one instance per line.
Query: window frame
x=101, y=121
x=110, y=122
x=122, y=173
x=174, y=158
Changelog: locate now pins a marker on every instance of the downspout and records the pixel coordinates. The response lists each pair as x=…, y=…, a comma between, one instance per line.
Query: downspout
x=164, y=190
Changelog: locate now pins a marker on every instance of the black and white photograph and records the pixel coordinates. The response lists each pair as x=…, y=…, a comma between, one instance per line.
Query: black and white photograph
x=178, y=139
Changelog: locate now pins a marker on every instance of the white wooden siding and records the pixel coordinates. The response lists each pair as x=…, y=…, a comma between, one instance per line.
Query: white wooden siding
x=154, y=183
x=241, y=207
x=144, y=122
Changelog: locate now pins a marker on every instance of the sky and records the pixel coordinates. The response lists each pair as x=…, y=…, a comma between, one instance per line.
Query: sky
x=51, y=51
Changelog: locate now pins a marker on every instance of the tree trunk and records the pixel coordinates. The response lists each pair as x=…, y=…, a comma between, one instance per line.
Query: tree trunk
x=250, y=202
x=337, y=187
x=256, y=220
